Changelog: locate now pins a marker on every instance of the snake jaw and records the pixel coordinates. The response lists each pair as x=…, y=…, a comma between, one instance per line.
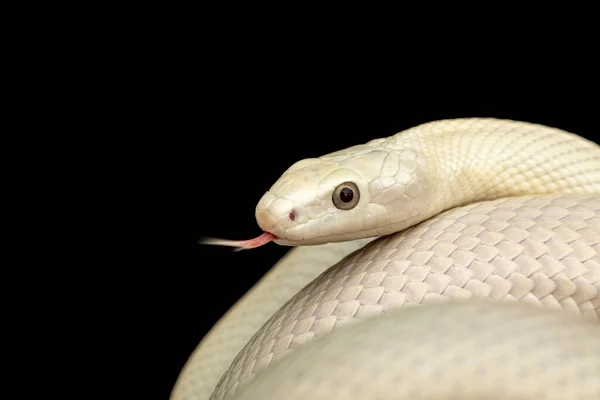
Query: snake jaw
x=258, y=241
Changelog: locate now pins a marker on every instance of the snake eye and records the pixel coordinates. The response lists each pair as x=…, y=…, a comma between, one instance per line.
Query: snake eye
x=346, y=196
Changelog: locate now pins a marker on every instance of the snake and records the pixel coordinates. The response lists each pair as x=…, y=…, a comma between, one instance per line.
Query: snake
x=457, y=259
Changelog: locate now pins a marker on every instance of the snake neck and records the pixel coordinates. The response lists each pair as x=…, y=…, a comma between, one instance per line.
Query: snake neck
x=470, y=160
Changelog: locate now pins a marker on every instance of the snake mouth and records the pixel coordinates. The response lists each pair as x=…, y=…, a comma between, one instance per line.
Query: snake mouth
x=258, y=241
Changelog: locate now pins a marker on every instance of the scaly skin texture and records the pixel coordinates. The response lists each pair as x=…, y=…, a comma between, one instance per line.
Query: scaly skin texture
x=422, y=353
x=411, y=176
x=219, y=347
x=540, y=250
x=526, y=246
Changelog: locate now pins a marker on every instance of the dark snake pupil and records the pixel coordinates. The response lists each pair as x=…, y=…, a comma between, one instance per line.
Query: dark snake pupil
x=346, y=195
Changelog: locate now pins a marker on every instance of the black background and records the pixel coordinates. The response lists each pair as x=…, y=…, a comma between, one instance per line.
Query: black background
x=229, y=127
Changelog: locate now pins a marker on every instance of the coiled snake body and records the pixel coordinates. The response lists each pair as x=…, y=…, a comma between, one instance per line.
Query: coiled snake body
x=457, y=259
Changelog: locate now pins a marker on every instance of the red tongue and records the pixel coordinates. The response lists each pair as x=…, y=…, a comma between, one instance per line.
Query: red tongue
x=241, y=244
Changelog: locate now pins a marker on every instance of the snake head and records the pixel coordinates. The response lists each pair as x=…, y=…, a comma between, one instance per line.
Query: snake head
x=360, y=192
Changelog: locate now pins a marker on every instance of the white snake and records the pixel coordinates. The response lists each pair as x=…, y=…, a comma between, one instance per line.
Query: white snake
x=503, y=223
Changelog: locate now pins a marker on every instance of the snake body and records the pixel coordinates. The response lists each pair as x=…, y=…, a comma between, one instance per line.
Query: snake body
x=457, y=217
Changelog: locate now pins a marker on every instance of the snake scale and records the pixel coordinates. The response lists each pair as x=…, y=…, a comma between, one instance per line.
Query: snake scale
x=457, y=259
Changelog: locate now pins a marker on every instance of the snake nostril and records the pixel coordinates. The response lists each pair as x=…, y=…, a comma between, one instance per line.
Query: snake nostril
x=292, y=215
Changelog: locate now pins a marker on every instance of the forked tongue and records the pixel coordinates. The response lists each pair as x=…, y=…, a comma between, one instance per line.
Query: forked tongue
x=241, y=244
